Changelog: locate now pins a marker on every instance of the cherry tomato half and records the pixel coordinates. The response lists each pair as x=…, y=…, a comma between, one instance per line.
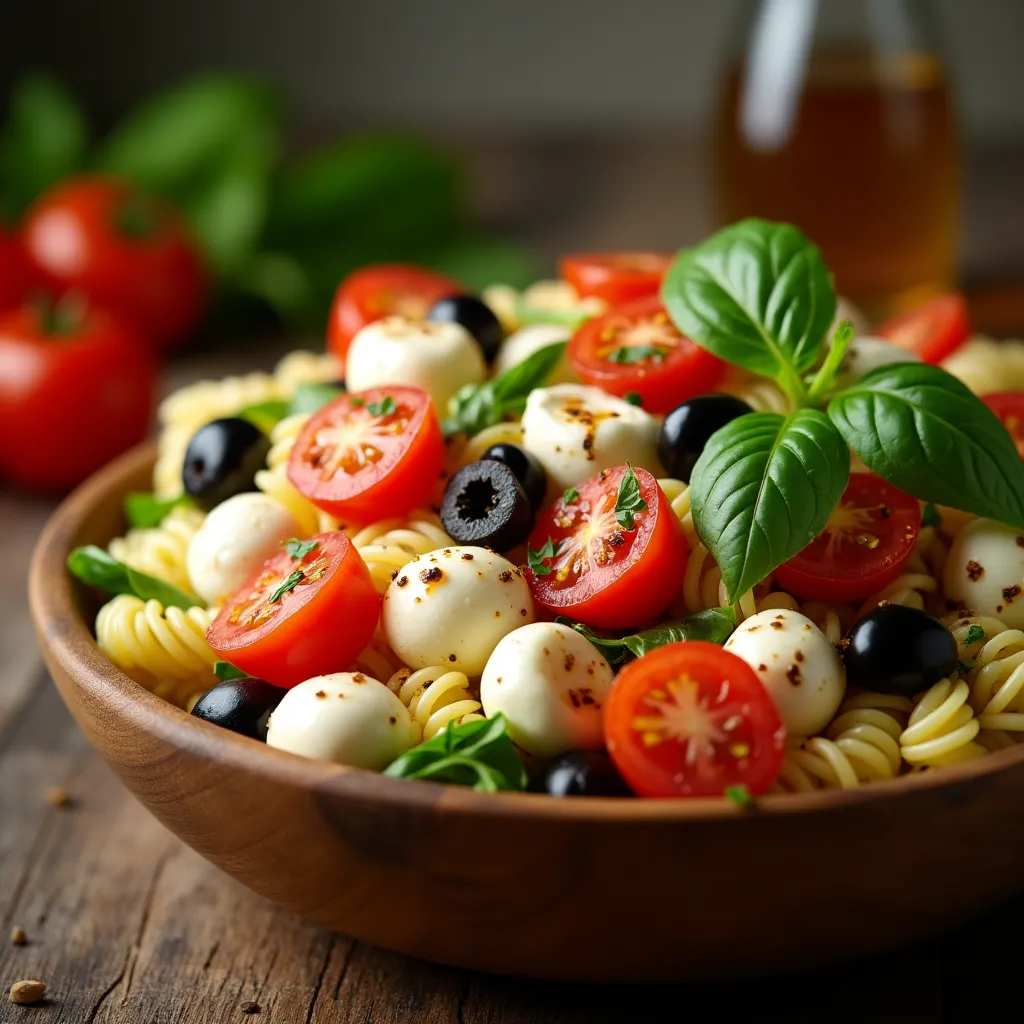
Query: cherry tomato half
x=1009, y=407
x=933, y=330
x=602, y=573
x=636, y=347
x=16, y=277
x=691, y=719
x=76, y=388
x=381, y=290
x=124, y=250
x=300, y=617
x=370, y=454
x=615, y=277
x=868, y=539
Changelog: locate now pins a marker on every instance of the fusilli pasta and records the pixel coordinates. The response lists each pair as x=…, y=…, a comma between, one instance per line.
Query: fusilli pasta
x=942, y=726
x=390, y=544
x=995, y=673
x=435, y=696
x=161, y=550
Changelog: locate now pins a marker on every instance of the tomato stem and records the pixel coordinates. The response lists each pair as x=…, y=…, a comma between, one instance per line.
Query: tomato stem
x=826, y=376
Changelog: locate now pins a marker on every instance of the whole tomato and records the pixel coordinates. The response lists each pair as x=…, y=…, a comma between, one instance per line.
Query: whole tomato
x=77, y=387
x=124, y=250
x=16, y=276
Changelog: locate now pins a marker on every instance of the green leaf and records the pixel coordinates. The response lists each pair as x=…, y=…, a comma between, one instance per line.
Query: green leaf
x=385, y=407
x=930, y=515
x=924, y=431
x=298, y=549
x=265, y=415
x=629, y=501
x=477, y=754
x=535, y=559
x=146, y=510
x=763, y=489
x=630, y=354
x=43, y=140
x=713, y=625
x=974, y=635
x=94, y=566
x=634, y=398
x=570, y=495
x=757, y=294
x=739, y=795
x=225, y=670
x=293, y=580
x=477, y=406
x=310, y=398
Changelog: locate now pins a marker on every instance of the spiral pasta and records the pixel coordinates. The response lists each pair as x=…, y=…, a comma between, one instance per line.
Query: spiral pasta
x=163, y=649
x=986, y=365
x=161, y=550
x=761, y=394
x=995, y=673
x=390, y=544
x=435, y=696
x=942, y=727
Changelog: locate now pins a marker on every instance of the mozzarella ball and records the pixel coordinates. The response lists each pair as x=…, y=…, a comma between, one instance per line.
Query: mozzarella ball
x=576, y=431
x=985, y=571
x=551, y=685
x=236, y=538
x=438, y=357
x=560, y=298
x=345, y=717
x=867, y=354
x=518, y=347
x=451, y=607
x=800, y=669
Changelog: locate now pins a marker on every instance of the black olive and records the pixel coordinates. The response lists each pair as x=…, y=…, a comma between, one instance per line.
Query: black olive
x=580, y=773
x=484, y=504
x=688, y=426
x=477, y=317
x=222, y=459
x=899, y=650
x=241, y=705
x=529, y=472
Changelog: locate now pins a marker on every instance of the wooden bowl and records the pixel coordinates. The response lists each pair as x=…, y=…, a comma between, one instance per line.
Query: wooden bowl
x=585, y=889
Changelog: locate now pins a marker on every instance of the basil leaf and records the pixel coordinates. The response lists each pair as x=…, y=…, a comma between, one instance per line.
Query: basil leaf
x=146, y=510
x=634, y=398
x=298, y=549
x=629, y=354
x=385, y=407
x=293, y=580
x=476, y=406
x=629, y=501
x=930, y=515
x=739, y=795
x=713, y=625
x=225, y=670
x=763, y=489
x=94, y=566
x=477, y=754
x=310, y=398
x=756, y=294
x=570, y=495
x=975, y=634
x=924, y=431
x=264, y=415
x=535, y=559
x=571, y=318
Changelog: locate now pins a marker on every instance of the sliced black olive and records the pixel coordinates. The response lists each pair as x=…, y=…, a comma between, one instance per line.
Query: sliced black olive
x=241, y=705
x=528, y=470
x=688, y=426
x=484, y=504
x=580, y=773
x=899, y=650
x=222, y=459
x=477, y=317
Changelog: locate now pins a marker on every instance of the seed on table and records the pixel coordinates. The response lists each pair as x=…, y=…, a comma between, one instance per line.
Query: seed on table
x=60, y=797
x=250, y=1007
x=27, y=992
x=18, y=936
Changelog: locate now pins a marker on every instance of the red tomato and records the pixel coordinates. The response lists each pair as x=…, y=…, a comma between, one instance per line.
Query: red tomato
x=381, y=290
x=123, y=250
x=691, y=719
x=868, y=539
x=602, y=573
x=76, y=389
x=636, y=347
x=325, y=612
x=615, y=277
x=16, y=278
x=933, y=330
x=370, y=455
x=1009, y=407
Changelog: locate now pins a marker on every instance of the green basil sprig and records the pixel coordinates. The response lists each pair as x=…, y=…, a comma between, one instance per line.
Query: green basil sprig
x=476, y=406
x=143, y=509
x=476, y=754
x=224, y=670
x=92, y=565
x=714, y=625
x=759, y=295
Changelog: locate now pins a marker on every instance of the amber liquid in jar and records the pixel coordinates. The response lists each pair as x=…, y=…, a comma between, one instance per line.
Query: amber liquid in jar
x=864, y=160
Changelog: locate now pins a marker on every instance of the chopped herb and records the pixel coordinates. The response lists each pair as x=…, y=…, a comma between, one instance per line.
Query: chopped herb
x=739, y=795
x=629, y=354
x=357, y=403
x=571, y=495
x=930, y=515
x=298, y=549
x=147, y=510
x=310, y=398
x=387, y=406
x=634, y=398
x=225, y=670
x=536, y=558
x=289, y=584
x=974, y=635
x=629, y=501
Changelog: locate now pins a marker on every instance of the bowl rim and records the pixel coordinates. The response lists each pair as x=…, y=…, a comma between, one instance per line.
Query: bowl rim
x=61, y=627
